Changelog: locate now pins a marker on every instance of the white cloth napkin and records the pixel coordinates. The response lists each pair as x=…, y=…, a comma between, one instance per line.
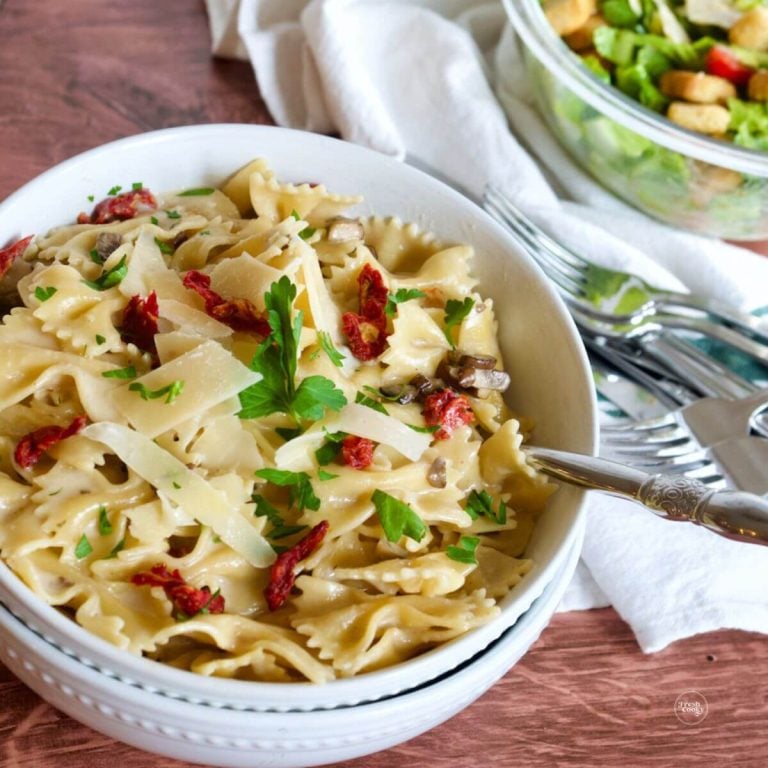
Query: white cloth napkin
x=425, y=81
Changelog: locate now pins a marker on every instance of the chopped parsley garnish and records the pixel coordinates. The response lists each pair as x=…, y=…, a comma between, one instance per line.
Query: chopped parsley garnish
x=137, y=185
x=110, y=278
x=164, y=247
x=305, y=233
x=329, y=450
x=83, y=548
x=119, y=547
x=401, y=295
x=276, y=361
x=197, y=192
x=100, y=339
x=205, y=232
x=369, y=402
x=464, y=551
x=105, y=527
x=279, y=529
x=121, y=373
x=56, y=492
x=455, y=312
x=43, y=294
x=95, y=257
x=176, y=485
x=154, y=220
x=288, y=433
x=114, y=190
x=298, y=484
x=480, y=504
x=327, y=346
x=323, y=475
x=424, y=430
x=173, y=214
x=91, y=198
x=397, y=518
x=169, y=391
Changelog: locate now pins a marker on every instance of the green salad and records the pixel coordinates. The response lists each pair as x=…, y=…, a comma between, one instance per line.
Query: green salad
x=702, y=63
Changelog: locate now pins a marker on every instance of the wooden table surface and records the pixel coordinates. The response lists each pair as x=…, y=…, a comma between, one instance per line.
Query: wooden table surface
x=75, y=74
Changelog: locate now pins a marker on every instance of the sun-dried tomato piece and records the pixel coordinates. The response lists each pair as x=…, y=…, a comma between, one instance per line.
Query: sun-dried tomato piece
x=372, y=292
x=187, y=601
x=139, y=324
x=238, y=314
x=357, y=452
x=32, y=446
x=366, y=330
x=283, y=573
x=448, y=410
x=11, y=253
x=128, y=205
x=367, y=339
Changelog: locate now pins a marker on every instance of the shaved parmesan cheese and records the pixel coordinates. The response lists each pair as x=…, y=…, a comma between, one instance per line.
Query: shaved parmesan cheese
x=210, y=374
x=184, y=488
x=362, y=421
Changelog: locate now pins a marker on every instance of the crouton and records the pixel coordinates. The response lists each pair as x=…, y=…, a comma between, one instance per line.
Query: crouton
x=757, y=89
x=709, y=181
x=751, y=30
x=566, y=16
x=704, y=118
x=696, y=87
x=581, y=39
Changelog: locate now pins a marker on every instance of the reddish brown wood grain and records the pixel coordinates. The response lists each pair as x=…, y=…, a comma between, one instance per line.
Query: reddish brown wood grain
x=74, y=74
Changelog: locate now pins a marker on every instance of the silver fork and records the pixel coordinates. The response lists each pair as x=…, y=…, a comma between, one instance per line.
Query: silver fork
x=576, y=276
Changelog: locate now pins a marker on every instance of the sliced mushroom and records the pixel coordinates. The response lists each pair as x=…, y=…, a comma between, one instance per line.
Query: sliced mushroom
x=107, y=243
x=423, y=384
x=342, y=230
x=480, y=378
x=437, y=476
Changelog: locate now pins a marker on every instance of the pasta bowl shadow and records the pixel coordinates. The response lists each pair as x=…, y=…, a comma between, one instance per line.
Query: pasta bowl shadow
x=550, y=379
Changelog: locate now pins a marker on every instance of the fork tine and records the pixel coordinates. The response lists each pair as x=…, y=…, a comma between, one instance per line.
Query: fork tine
x=513, y=214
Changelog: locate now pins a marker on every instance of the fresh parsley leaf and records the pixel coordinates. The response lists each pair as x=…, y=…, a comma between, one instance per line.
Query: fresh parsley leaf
x=480, y=504
x=370, y=403
x=173, y=214
x=176, y=485
x=100, y=339
x=171, y=391
x=464, y=552
x=91, y=198
x=197, y=192
x=283, y=531
x=56, y=492
x=114, y=190
x=121, y=373
x=205, y=232
x=265, y=509
x=43, y=294
x=276, y=359
x=154, y=220
x=314, y=395
x=83, y=548
x=110, y=278
x=164, y=247
x=95, y=257
x=455, y=312
x=327, y=346
x=137, y=185
x=329, y=450
x=401, y=295
x=323, y=475
x=397, y=518
x=298, y=484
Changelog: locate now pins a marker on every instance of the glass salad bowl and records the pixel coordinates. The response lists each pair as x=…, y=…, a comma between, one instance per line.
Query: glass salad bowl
x=683, y=178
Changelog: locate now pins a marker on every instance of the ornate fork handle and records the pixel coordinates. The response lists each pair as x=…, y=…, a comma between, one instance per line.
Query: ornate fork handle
x=733, y=514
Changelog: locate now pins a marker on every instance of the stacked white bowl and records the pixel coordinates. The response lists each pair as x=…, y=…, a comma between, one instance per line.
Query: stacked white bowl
x=238, y=723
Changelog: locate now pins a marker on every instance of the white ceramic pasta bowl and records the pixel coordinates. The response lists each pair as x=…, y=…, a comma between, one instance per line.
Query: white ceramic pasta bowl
x=542, y=350
x=220, y=736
